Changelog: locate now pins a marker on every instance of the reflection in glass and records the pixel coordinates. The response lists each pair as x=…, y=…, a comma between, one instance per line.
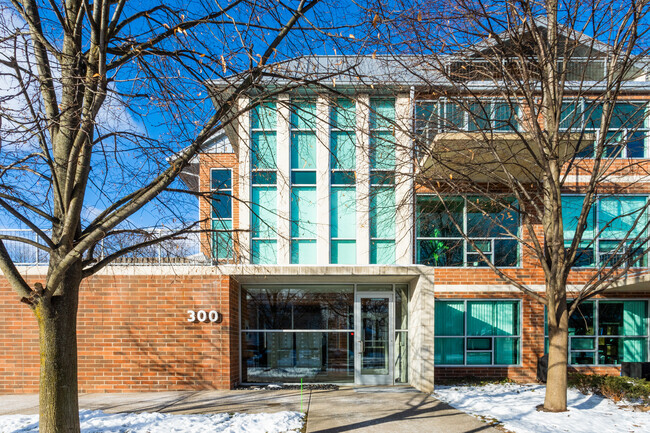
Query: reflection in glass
x=401, y=357
x=291, y=356
x=374, y=338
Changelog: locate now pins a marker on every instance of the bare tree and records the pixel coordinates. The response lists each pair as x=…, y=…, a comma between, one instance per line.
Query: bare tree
x=517, y=105
x=103, y=104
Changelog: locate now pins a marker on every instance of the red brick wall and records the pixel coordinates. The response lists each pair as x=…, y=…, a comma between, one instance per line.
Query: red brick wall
x=133, y=335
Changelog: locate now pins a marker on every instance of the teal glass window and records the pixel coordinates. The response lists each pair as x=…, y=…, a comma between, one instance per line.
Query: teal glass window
x=614, y=230
x=382, y=225
x=303, y=172
x=477, y=332
x=492, y=225
x=343, y=225
x=627, y=132
x=264, y=179
x=608, y=332
x=222, y=211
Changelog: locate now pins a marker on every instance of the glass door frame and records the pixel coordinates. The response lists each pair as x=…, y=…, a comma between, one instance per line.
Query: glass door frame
x=374, y=379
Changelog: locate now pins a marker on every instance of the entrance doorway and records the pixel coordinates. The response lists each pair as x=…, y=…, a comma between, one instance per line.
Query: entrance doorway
x=374, y=338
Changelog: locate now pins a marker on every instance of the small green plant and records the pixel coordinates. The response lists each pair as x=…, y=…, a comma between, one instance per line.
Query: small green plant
x=616, y=388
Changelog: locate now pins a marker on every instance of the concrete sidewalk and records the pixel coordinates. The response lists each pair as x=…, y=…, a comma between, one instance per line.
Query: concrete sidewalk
x=366, y=409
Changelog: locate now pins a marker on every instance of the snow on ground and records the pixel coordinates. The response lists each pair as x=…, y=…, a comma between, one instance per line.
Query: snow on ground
x=515, y=407
x=100, y=422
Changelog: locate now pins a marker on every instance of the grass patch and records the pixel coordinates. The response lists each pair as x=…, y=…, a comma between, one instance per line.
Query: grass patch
x=616, y=388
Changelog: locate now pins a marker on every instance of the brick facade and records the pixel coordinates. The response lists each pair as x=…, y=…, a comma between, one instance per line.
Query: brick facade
x=133, y=335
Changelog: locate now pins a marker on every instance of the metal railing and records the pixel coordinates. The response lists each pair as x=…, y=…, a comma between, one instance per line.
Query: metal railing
x=185, y=250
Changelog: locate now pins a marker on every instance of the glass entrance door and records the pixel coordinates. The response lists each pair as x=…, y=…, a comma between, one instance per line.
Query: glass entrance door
x=374, y=338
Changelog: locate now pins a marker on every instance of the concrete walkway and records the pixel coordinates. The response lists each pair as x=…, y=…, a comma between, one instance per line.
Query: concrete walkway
x=367, y=409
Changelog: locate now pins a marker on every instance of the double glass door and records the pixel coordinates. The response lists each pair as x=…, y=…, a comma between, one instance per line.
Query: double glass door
x=374, y=338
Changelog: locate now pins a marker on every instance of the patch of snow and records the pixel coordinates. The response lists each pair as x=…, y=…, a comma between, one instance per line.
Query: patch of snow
x=515, y=406
x=98, y=421
x=261, y=372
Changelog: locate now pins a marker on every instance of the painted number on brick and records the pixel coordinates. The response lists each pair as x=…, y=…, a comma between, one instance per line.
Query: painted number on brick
x=203, y=316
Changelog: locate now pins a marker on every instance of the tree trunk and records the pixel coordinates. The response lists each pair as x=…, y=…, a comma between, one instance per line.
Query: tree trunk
x=58, y=393
x=556, y=379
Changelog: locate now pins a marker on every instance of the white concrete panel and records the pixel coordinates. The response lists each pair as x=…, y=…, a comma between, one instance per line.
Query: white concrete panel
x=363, y=179
x=244, y=190
x=404, y=188
x=323, y=181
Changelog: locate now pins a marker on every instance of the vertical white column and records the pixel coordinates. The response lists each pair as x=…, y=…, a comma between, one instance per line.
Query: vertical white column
x=363, y=179
x=283, y=161
x=323, y=181
x=244, y=184
x=404, y=184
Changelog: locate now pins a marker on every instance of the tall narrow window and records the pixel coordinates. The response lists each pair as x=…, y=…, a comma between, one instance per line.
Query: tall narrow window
x=264, y=218
x=343, y=182
x=222, y=241
x=382, y=181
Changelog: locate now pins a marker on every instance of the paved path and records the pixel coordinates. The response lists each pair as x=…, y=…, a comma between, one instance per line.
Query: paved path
x=356, y=410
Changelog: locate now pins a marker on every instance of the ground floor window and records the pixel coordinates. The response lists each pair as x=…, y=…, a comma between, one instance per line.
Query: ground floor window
x=291, y=333
x=607, y=332
x=477, y=332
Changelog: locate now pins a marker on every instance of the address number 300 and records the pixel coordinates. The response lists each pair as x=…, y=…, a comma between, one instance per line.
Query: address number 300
x=203, y=316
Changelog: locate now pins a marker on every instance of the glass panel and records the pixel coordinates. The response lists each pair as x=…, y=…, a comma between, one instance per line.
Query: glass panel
x=344, y=114
x=636, y=144
x=303, y=212
x=318, y=307
x=504, y=117
x=583, y=344
x=314, y=357
x=264, y=252
x=401, y=306
x=382, y=252
x=479, y=117
x=506, y=351
x=343, y=150
x=382, y=150
x=479, y=344
x=487, y=218
x=264, y=219
x=635, y=318
x=382, y=178
x=303, y=114
x=344, y=252
x=343, y=178
x=480, y=318
x=375, y=341
x=506, y=252
x=588, y=358
x=303, y=177
x=449, y=318
x=617, y=216
x=374, y=287
x=571, y=207
x=221, y=179
x=435, y=221
x=449, y=351
x=222, y=205
x=571, y=117
x=610, y=318
x=303, y=150
x=264, y=116
x=343, y=213
x=479, y=358
x=634, y=349
x=627, y=115
x=303, y=252
x=382, y=213
x=401, y=357
x=222, y=242
x=382, y=113
x=506, y=318
x=263, y=151
x=264, y=177
x=440, y=252
x=581, y=321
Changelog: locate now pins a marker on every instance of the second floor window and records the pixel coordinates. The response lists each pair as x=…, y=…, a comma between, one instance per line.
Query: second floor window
x=615, y=231
x=491, y=226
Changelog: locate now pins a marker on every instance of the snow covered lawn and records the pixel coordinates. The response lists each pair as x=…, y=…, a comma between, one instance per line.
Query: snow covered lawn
x=515, y=407
x=100, y=422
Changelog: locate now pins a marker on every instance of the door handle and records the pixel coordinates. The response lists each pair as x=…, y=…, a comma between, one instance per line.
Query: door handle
x=361, y=346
